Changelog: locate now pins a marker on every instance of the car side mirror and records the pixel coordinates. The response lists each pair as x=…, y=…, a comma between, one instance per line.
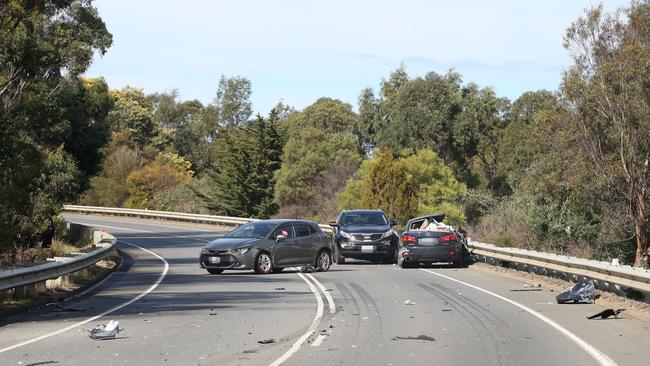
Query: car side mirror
x=334, y=224
x=280, y=237
x=393, y=222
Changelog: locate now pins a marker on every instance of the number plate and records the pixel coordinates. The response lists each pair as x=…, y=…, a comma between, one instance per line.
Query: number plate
x=428, y=241
x=214, y=260
x=367, y=249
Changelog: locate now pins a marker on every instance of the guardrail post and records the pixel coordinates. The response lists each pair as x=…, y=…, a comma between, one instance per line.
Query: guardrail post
x=20, y=292
x=35, y=289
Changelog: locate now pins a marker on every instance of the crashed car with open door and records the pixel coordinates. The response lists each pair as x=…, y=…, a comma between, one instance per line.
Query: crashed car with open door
x=428, y=240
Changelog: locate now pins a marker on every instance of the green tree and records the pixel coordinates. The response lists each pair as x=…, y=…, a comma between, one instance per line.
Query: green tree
x=233, y=101
x=132, y=113
x=606, y=94
x=43, y=45
x=163, y=174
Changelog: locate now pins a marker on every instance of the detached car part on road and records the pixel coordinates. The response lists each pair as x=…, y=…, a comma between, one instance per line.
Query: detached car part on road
x=269, y=246
x=364, y=234
x=427, y=240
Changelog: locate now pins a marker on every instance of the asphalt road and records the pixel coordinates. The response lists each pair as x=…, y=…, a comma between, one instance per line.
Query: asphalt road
x=174, y=313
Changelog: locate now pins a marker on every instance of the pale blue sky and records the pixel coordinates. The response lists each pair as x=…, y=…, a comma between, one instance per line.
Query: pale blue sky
x=298, y=51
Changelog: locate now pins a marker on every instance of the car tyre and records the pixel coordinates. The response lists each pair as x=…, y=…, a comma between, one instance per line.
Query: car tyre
x=323, y=261
x=263, y=263
x=278, y=269
x=214, y=271
x=402, y=263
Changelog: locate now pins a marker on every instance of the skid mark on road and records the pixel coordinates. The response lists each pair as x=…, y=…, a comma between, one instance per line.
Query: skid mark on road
x=482, y=330
x=596, y=354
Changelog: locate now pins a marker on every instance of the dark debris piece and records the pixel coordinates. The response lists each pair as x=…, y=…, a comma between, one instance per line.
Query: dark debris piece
x=421, y=337
x=267, y=341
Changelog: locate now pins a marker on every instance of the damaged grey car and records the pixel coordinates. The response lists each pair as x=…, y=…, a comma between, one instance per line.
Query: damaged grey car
x=268, y=246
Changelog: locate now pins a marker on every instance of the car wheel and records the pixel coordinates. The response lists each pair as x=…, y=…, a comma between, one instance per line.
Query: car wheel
x=214, y=270
x=263, y=264
x=278, y=269
x=323, y=261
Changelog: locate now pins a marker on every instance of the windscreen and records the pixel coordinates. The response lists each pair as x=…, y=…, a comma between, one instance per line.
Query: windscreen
x=251, y=230
x=363, y=219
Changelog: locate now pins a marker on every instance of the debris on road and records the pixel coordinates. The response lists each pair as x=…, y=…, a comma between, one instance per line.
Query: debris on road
x=446, y=309
x=421, y=337
x=307, y=269
x=250, y=351
x=409, y=302
x=68, y=309
x=279, y=289
x=525, y=289
x=267, y=341
x=105, y=331
x=213, y=313
x=582, y=291
x=607, y=313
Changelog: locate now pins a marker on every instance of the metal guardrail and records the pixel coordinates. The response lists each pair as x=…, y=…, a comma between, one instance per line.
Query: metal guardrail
x=167, y=215
x=62, y=266
x=603, y=272
x=607, y=276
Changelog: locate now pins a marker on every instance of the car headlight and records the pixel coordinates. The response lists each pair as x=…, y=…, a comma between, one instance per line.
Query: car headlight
x=239, y=251
x=387, y=234
x=346, y=235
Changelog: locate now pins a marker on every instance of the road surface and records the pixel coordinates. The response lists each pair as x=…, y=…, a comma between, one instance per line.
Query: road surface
x=174, y=313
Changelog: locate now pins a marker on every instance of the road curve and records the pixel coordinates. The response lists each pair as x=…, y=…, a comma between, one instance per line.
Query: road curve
x=175, y=313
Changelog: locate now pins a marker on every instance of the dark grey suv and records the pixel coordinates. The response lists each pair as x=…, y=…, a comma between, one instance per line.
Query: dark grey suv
x=365, y=234
x=269, y=246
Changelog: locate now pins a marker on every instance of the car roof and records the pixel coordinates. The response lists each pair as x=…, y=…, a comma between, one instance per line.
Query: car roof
x=284, y=221
x=437, y=216
x=361, y=211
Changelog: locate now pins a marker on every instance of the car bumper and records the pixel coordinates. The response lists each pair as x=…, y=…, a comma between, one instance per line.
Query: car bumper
x=432, y=254
x=227, y=260
x=355, y=249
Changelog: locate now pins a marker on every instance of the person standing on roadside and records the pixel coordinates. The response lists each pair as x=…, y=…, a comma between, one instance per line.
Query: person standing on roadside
x=48, y=234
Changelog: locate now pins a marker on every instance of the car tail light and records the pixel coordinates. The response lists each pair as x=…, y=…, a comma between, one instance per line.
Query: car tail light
x=450, y=237
x=452, y=253
x=408, y=239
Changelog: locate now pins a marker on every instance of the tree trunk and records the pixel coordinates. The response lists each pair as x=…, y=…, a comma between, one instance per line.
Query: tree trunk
x=640, y=228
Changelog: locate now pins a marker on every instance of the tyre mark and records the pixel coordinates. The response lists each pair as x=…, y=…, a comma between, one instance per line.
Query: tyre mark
x=466, y=313
x=487, y=313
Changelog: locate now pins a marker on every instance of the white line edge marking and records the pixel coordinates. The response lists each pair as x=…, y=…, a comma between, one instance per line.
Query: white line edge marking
x=312, y=328
x=144, y=223
x=318, y=340
x=597, y=355
x=118, y=307
x=162, y=235
x=330, y=300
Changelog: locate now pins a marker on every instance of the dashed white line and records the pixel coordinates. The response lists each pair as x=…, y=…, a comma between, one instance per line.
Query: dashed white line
x=118, y=307
x=312, y=328
x=597, y=355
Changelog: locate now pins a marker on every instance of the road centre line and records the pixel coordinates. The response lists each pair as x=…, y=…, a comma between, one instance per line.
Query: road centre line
x=118, y=307
x=596, y=354
x=330, y=300
x=312, y=328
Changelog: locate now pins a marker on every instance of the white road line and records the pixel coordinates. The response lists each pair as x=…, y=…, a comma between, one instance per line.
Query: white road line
x=318, y=340
x=597, y=355
x=118, y=307
x=312, y=328
x=149, y=224
x=147, y=231
x=330, y=300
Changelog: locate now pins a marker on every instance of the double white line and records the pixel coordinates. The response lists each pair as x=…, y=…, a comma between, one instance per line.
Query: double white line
x=314, y=285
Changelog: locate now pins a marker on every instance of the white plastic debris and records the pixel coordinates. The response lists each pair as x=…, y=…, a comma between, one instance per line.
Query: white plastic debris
x=105, y=331
x=409, y=302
